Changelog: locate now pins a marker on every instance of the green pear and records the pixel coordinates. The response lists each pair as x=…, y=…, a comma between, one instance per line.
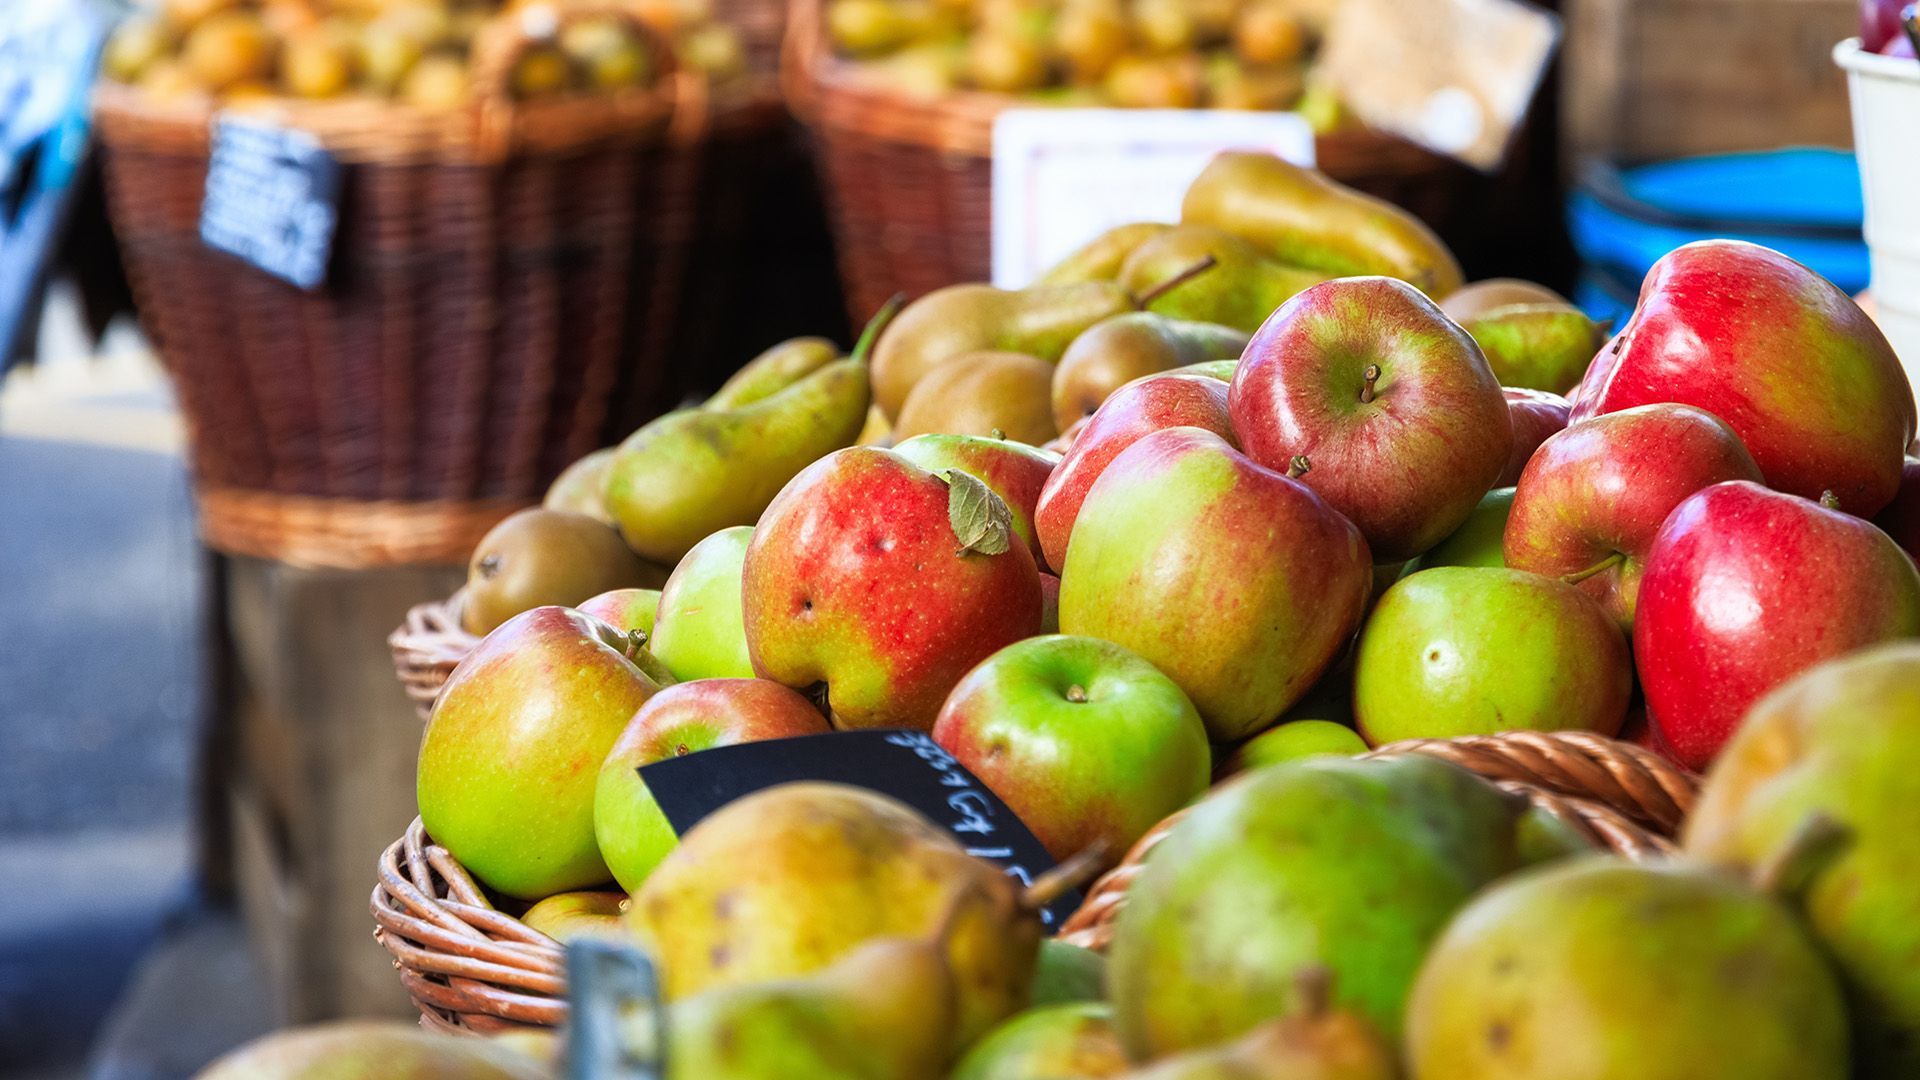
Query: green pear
x=1473, y=650
x=1243, y=288
x=581, y=487
x=1075, y=1040
x=885, y=1011
x=364, y=1050
x=693, y=472
x=1476, y=298
x=1478, y=540
x=1101, y=258
x=1315, y=1043
x=1131, y=345
x=697, y=633
x=773, y=371
x=1538, y=346
x=1351, y=866
x=1597, y=967
x=1840, y=741
x=788, y=880
x=1040, y=321
x=1304, y=218
x=1065, y=973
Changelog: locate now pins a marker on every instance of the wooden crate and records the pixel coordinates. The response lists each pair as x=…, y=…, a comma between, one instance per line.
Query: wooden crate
x=1650, y=79
x=313, y=773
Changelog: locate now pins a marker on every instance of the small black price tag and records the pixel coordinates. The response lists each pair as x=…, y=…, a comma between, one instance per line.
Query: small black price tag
x=906, y=765
x=272, y=198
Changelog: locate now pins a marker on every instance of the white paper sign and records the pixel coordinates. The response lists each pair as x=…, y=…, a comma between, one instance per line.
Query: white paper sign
x=1063, y=176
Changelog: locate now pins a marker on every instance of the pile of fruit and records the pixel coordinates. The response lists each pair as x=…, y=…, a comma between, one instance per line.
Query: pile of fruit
x=417, y=52
x=1168, y=54
x=1889, y=27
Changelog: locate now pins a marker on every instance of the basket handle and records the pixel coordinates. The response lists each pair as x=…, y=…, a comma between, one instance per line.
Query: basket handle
x=501, y=43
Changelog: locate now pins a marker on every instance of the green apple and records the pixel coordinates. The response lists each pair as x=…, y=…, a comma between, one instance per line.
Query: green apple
x=512, y=749
x=632, y=831
x=625, y=609
x=565, y=916
x=1072, y=1040
x=1472, y=650
x=1477, y=542
x=1066, y=973
x=698, y=632
x=1297, y=739
x=1089, y=744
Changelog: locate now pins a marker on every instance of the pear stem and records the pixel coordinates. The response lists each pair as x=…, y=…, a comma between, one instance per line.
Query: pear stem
x=1810, y=849
x=1057, y=882
x=1600, y=567
x=1367, y=378
x=1298, y=467
x=1829, y=500
x=863, y=348
x=1175, y=281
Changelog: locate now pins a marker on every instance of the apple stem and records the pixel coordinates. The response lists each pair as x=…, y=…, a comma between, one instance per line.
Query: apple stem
x=1600, y=567
x=1079, y=869
x=1298, y=467
x=1810, y=848
x=863, y=348
x=1314, y=984
x=636, y=642
x=1369, y=376
x=1175, y=281
x=1829, y=500
x=1077, y=695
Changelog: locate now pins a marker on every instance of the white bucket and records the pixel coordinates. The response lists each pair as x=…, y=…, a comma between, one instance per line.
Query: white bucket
x=1886, y=136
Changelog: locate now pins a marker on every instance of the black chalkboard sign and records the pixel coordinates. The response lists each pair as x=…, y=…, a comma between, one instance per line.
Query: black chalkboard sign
x=907, y=765
x=272, y=198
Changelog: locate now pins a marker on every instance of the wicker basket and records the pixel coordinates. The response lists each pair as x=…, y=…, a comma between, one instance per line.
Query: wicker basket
x=501, y=297
x=427, y=647
x=471, y=967
x=909, y=179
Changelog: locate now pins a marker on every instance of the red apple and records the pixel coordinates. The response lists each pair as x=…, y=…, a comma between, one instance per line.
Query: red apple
x=1536, y=415
x=1015, y=471
x=1049, y=604
x=633, y=832
x=1391, y=402
x=1129, y=414
x=858, y=579
x=1745, y=588
x=1880, y=23
x=1789, y=361
x=1901, y=518
x=1594, y=495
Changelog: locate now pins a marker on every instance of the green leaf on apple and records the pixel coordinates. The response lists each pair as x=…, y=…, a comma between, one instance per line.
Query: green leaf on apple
x=980, y=518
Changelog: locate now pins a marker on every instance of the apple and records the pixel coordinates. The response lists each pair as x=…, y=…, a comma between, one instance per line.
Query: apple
x=1880, y=24
x=698, y=633
x=1790, y=362
x=507, y=765
x=1474, y=650
x=1049, y=604
x=1089, y=745
x=1238, y=582
x=1590, y=502
x=1392, y=403
x=1478, y=540
x=1536, y=415
x=1297, y=739
x=633, y=833
x=1129, y=414
x=1744, y=589
x=568, y=915
x=1015, y=471
x=885, y=582
x=1901, y=518
x=625, y=609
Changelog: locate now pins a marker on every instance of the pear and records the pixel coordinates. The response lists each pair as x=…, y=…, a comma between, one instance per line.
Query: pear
x=1101, y=258
x=885, y=1011
x=1353, y=866
x=362, y=1050
x=1127, y=346
x=581, y=485
x=1073, y=1040
x=877, y=431
x=1065, y=973
x=1316, y=1043
x=1597, y=967
x=538, y=557
x=790, y=879
x=773, y=371
x=1479, y=297
x=1303, y=218
x=998, y=394
x=694, y=472
x=1840, y=740
x=1040, y=321
x=1243, y=288
x=1538, y=346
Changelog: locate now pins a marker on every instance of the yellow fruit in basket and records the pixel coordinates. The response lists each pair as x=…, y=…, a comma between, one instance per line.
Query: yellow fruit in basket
x=1090, y=36
x=715, y=50
x=865, y=27
x=437, y=83
x=1154, y=82
x=426, y=22
x=386, y=55
x=927, y=70
x=1005, y=64
x=1321, y=108
x=185, y=13
x=1029, y=20
x=228, y=48
x=1164, y=26
x=135, y=46
x=1268, y=33
x=1213, y=19
x=284, y=18
x=247, y=90
x=167, y=80
x=316, y=64
x=540, y=71
x=1232, y=86
x=362, y=1050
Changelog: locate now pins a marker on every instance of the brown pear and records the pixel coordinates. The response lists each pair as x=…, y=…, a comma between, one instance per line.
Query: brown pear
x=1003, y=394
x=539, y=557
x=1128, y=346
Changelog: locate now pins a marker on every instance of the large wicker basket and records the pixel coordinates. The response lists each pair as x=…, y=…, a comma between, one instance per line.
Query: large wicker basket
x=472, y=967
x=909, y=179
x=500, y=302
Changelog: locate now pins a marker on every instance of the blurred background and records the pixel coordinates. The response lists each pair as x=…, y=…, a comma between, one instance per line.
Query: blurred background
x=221, y=491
